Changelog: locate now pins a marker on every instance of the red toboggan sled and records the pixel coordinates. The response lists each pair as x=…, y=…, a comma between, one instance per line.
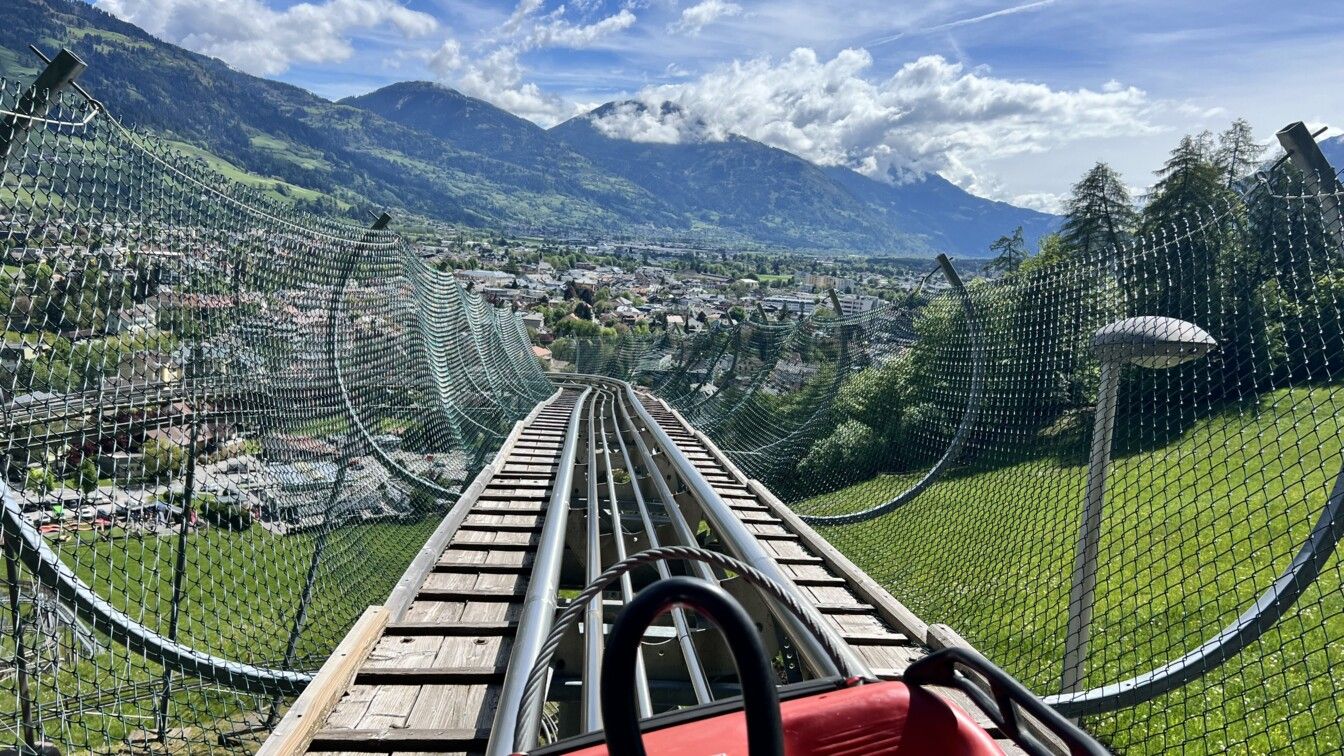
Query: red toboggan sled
x=816, y=718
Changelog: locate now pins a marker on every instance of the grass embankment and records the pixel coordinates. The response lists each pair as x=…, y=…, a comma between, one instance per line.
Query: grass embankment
x=240, y=595
x=1194, y=531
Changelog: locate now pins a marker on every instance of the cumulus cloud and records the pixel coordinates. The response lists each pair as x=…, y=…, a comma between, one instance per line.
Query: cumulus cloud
x=494, y=73
x=1046, y=202
x=253, y=38
x=561, y=33
x=665, y=124
x=447, y=58
x=498, y=78
x=520, y=14
x=931, y=115
x=700, y=15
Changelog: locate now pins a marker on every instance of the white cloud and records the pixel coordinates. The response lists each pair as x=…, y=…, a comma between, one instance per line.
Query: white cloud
x=520, y=14
x=931, y=115
x=494, y=73
x=251, y=37
x=1046, y=202
x=498, y=78
x=637, y=122
x=968, y=21
x=446, y=59
x=698, y=16
x=561, y=33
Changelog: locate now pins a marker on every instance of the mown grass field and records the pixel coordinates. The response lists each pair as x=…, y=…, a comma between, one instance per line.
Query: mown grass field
x=1194, y=531
x=240, y=595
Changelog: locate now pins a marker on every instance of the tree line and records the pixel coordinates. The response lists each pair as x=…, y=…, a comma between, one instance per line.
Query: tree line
x=1216, y=241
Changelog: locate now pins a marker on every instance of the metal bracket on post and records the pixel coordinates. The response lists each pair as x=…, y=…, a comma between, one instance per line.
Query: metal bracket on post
x=1321, y=178
x=38, y=99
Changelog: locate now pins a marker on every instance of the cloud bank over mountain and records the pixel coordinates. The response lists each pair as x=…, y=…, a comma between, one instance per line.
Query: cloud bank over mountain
x=932, y=115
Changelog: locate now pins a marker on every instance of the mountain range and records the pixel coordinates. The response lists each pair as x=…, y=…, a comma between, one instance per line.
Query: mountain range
x=436, y=152
x=1333, y=149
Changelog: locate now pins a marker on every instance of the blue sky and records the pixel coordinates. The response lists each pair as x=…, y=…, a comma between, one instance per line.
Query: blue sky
x=1012, y=100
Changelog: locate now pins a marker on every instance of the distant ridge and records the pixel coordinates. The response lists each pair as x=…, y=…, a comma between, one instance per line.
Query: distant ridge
x=738, y=182
x=1333, y=149
x=435, y=151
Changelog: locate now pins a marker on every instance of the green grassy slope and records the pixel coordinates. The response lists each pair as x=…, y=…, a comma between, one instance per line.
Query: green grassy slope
x=241, y=591
x=1193, y=532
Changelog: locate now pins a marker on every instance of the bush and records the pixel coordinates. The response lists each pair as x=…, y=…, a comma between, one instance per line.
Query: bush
x=161, y=459
x=230, y=516
x=852, y=453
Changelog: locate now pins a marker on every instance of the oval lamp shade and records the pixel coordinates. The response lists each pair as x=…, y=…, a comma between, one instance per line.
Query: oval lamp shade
x=1153, y=342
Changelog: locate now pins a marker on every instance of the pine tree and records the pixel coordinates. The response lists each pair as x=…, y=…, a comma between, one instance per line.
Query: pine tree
x=1188, y=184
x=1012, y=251
x=1238, y=154
x=1099, y=215
x=1197, y=266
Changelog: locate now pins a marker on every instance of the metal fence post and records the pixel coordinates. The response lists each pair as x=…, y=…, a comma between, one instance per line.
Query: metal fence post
x=1321, y=178
x=305, y=598
x=180, y=566
x=16, y=622
x=33, y=105
x=38, y=99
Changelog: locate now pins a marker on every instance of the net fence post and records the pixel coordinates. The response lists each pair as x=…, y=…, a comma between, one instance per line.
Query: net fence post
x=20, y=660
x=314, y=564
x=34, y=104
x=38, y=99
x=1320, y=176
x=184, y=527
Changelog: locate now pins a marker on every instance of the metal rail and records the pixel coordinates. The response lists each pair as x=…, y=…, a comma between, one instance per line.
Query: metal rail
x=592, y=620
x=642, y=702
x=744, y=546
x=540, y=603
x=694, y=668
x=52, y=572
x=969, y=417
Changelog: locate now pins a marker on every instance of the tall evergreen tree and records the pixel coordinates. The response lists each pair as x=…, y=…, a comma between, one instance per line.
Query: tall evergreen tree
x=1197, y=267
x=1237, y=154
x=1188, y=184
x=1100, y=214
x=1011, y=252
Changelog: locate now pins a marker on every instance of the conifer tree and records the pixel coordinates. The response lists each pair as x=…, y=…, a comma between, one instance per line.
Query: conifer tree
x=1012, y=251
x=1238, y=154
x=1198, y=266
x=1100, y=214
x=1188, y=184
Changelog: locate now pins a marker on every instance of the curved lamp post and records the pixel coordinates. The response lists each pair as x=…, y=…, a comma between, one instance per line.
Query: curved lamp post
x=1151, y=342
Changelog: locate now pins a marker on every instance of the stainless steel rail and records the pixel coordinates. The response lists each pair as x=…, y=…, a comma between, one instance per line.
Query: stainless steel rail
x=51, y=571
x=592, y=618
x=539, y=605
x=643, y=704
x=695, y=669
x=674, y=515
x=969, y=417
x=745, y=547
